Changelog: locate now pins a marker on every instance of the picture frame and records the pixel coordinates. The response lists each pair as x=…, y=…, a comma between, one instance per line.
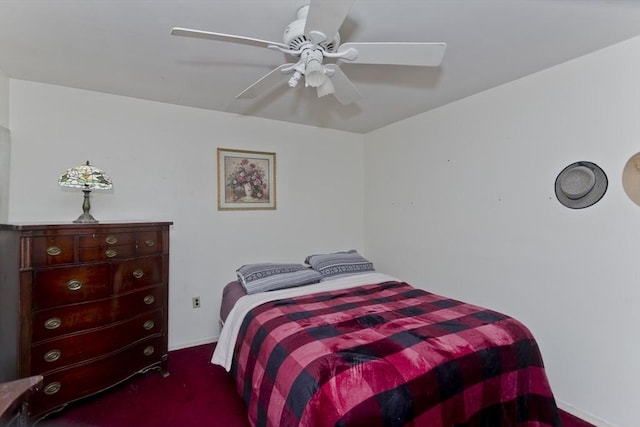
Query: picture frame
x=246, y=180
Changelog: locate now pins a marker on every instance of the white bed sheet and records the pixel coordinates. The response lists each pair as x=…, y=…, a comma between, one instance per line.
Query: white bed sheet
x=223, y=353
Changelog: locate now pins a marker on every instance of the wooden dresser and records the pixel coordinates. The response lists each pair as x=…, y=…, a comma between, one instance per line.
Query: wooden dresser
x=84, y=305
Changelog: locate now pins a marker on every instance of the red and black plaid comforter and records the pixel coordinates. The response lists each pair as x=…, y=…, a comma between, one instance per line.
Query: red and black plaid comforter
x=389, y=355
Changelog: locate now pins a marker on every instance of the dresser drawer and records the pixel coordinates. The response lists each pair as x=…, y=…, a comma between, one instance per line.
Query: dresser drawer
x=103, y=254
x=149, y=242
x=83, y=380
x=137, y=273
x=106, y=240
x=101, y=247
x=53, y=250
x=54, y=322
x=71, y=349
x=67, y=285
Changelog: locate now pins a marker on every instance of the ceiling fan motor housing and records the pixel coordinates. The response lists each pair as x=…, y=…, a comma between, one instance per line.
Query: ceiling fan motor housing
x=295, y=38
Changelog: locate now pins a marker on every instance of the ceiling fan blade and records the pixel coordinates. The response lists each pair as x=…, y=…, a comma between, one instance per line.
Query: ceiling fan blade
x=326, y=17
x=185, y=32
x=266, y=82
x=421, y=54
x=345, y=91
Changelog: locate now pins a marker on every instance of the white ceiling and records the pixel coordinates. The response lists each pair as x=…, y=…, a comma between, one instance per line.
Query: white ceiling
x=124, y=47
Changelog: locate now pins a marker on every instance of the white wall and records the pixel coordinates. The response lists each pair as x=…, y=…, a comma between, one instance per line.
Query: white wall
x=460, y=201
x=4, y=99
x=5, y=158
x=162, y=159
x=5, y=146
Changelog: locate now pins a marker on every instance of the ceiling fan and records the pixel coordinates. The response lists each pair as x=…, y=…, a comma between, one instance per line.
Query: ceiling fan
x=312, y=38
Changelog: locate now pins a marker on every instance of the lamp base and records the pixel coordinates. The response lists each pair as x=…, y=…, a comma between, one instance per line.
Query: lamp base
x=85, y=218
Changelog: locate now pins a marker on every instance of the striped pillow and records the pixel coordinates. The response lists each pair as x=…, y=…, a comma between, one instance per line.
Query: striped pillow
x=269, y=276
x=339, y=263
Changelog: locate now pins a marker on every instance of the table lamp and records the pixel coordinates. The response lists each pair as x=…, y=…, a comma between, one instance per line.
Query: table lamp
x=87, y=178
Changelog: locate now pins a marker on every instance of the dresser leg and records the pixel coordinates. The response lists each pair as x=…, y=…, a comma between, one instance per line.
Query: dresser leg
x=164, y=366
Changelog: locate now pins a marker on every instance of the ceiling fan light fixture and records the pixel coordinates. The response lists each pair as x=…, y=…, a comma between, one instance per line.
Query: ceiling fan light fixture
x=314, y=75
x=326, y=88
x=313, y=70
x=293, y=80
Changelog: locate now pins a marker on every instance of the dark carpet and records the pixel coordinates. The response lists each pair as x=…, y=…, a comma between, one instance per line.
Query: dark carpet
x=196, y=393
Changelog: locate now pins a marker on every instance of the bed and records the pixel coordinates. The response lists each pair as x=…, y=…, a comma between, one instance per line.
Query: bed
x=370, y=350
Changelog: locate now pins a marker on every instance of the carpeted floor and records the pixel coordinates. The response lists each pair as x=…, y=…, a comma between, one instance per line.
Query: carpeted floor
x=196, y=393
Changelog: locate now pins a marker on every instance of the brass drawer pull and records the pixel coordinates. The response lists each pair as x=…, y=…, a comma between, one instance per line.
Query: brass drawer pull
x=74, y=285
x=53, y=323
x=52, y=355
x=149, y=299
x=111, y=240
x=52, y=388
x=110, y=253
x=150, y=242
x=138, y=273
x=149, y=350
x=54, y=250
x=149, y=324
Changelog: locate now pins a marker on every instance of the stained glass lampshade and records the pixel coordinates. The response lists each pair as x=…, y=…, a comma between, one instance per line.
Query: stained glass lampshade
x=87, y=178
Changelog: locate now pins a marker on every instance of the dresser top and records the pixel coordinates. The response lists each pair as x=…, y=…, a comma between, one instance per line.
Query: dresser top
x=27, y=226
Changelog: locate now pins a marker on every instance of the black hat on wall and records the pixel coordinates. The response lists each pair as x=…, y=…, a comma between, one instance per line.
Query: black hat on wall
x=581, y=185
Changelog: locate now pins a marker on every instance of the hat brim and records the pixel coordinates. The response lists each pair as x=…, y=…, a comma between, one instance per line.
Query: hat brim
x=593, y=196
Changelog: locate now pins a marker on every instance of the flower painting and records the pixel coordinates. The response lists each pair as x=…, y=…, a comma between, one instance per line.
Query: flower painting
x=246, y=180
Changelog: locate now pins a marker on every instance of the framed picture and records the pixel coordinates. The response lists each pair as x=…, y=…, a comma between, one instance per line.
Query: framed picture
x=246, y=180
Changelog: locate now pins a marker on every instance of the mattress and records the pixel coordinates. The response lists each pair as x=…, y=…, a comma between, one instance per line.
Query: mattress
x=230, y=295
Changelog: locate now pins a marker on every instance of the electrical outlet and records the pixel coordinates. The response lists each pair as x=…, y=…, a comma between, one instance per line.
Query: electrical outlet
x=196, y=302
